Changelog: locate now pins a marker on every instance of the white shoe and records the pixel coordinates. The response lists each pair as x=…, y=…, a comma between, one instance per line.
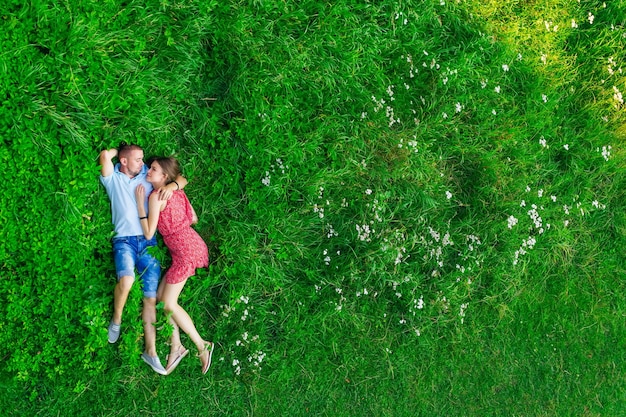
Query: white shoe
x=154, y=362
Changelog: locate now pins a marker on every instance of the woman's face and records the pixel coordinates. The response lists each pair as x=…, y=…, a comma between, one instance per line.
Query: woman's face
x=155, y=174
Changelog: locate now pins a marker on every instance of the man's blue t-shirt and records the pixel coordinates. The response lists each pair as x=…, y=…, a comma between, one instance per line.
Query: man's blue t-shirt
x=121, y=191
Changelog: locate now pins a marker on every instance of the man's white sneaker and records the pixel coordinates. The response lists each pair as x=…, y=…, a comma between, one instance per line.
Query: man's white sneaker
x=154, y=362
x=114, y=332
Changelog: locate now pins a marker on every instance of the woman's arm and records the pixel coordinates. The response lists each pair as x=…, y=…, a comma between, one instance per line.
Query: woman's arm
x=194, y=216
x=148, y=222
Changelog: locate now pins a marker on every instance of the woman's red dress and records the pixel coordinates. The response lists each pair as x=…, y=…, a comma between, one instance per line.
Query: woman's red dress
x=186, y=247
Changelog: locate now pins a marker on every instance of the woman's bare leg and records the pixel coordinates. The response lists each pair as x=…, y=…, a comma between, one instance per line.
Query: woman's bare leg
x=179, y=316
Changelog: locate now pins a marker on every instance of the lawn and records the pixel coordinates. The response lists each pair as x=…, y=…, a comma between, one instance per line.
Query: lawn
x=412, y=207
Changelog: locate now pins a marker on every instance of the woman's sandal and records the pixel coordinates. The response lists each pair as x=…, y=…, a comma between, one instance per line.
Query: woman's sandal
x=206, y=349
x=180, y=354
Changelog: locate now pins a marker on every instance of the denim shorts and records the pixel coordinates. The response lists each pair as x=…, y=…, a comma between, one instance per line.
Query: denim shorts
x=130, y=253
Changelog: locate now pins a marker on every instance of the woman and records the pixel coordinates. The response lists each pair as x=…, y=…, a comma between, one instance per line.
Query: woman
x=174, y=218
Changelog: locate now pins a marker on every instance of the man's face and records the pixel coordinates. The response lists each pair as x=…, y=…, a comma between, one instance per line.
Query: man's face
x=133, y=163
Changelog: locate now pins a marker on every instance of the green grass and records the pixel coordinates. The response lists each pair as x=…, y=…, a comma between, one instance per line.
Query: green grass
x=411, y=208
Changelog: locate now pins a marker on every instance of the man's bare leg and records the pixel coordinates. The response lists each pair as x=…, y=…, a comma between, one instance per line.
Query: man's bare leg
x=149, y=330
x=120, y=295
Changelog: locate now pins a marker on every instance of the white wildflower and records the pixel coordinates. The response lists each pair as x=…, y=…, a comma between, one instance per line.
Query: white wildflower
x=319, y=210
x=266, y=180
x=462, y=311
x=618, y=95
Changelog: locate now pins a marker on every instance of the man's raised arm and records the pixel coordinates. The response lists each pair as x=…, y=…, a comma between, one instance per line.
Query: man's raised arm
x=106, y=161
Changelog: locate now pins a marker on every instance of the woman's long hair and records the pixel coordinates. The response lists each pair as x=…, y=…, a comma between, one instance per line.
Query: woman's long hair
x=170, y=167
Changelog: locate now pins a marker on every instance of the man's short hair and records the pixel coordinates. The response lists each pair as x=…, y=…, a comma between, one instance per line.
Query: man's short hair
x=125, y=149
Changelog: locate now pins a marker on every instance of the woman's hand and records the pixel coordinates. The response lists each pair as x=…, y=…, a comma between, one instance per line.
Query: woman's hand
x=140, y=196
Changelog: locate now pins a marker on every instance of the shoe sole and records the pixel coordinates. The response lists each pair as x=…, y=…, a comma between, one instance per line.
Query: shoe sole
x=208, y=364
x=176, y=362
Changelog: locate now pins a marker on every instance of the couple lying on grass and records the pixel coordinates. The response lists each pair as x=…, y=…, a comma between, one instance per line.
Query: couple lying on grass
x=144, y=200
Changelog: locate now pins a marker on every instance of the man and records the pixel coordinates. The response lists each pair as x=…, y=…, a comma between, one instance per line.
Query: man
x=130, y=248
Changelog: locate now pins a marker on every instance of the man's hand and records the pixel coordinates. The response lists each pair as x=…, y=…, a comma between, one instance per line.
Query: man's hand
x=165, y=193
x=106, y=163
